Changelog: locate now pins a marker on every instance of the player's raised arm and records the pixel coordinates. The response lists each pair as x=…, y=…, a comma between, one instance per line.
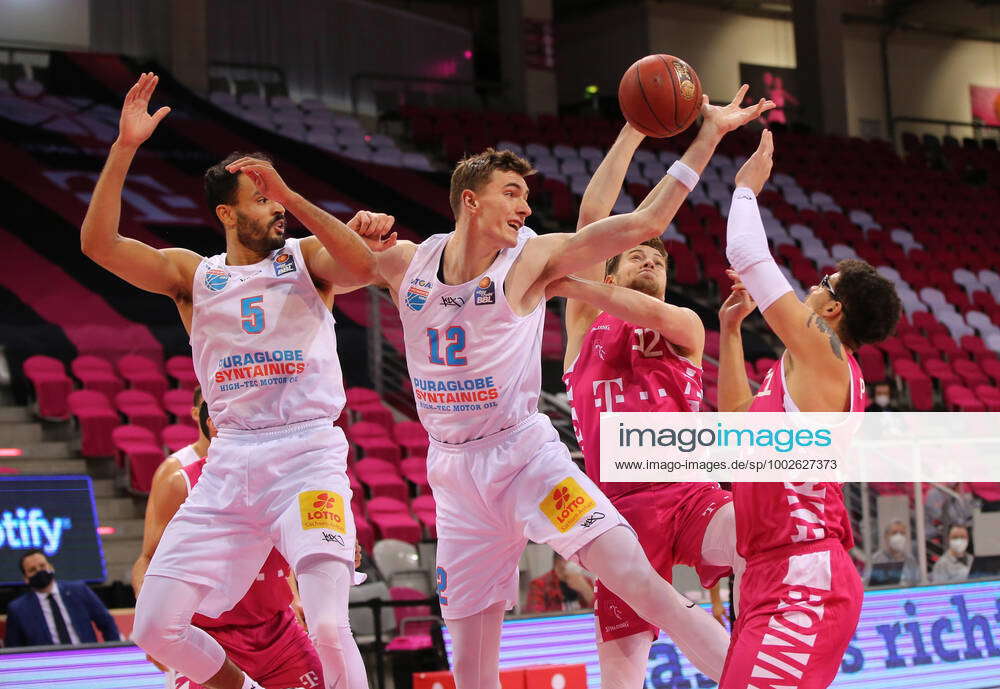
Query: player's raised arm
x=599, y=241
x=163, y=271
x=734, y=386
x=679, y=326
x=808, y=337
x=334, y=254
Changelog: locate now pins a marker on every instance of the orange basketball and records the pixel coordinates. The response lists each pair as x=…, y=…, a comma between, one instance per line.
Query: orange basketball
x=660, y=95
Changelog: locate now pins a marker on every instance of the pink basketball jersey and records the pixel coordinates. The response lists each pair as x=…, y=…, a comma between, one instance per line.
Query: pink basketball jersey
x=622, y=367
x=774, y=515
x=268, y=595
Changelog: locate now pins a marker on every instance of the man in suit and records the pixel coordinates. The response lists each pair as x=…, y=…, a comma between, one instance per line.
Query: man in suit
x=54, y=613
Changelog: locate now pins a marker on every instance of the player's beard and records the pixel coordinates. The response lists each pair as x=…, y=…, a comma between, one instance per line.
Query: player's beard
x=256, y=235
x=647, y=285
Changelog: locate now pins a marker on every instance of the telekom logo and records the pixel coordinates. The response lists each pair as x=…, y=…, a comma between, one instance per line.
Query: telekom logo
x=608, y=394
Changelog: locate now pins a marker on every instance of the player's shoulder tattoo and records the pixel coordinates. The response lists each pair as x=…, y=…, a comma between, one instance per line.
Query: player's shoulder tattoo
x=835, y=345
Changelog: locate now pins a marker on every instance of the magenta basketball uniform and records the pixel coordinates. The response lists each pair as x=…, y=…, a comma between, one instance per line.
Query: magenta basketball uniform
x=260, y=634
x=622, y=367
x=801, y=595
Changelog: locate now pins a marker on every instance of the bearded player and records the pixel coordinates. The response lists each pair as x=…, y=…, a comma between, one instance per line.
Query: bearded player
x=264, y=349
x=628, y=350
x=801, y=595
x=472, y=305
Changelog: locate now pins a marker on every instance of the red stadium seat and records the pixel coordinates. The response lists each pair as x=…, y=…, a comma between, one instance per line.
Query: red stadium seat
x=382, y=479
x=51, y=386
x=990, y=396
x=181, y=369
x=128, y=436
x=970, y=373
x=178, y=402
x=95, y=373
x=916, y=383
x=141, y=409
x=399, y=525
x=959, y=398
x=177, y=436
x=142, y=374
x=921, y=346
x=141, y=461
x=412, y=437
x=96, y=420
x=414, y=470
x=946, y=345
x=872, y=363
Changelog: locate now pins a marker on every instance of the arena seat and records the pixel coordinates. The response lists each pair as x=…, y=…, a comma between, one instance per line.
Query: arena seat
x=141, y=409
x=51, y=386
x=142, y=374
x=181, y=369
x=177, y=402
x=96, y=373
x=95, y=419
x=177, y=436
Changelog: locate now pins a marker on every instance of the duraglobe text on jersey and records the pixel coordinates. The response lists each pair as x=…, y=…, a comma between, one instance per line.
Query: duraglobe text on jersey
x=260, y=357
x=453, y=385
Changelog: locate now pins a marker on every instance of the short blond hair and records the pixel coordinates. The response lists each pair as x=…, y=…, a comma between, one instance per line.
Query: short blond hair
x=475, y=171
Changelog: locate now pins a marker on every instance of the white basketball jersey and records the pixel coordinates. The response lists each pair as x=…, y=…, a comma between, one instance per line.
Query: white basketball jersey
x=263, y=343
x=186, y=455
x=475, y=366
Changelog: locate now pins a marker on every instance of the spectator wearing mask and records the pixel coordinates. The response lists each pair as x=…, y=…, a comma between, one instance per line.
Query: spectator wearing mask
x=953, y=567
x=53, y=612
x=896, y=547
x=954, y=506
x=565, y=587
x=882, y=398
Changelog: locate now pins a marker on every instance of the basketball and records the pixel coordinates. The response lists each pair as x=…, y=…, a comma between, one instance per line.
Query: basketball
x=660, y=95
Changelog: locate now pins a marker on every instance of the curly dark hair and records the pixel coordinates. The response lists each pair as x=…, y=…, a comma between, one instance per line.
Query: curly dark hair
x=221, y=184
x=871, y=306
x=475, y=171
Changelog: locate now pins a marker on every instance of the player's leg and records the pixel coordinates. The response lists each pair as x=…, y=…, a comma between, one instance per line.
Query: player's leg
x=324, y=587
x=718, y=547
x=624, y=661
x=618, y=560
x=476, y=648
x=794, y=626
x=163, y=629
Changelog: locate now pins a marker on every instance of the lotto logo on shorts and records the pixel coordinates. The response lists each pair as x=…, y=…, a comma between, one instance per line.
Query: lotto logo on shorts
x=322, y=509
x=566, y=504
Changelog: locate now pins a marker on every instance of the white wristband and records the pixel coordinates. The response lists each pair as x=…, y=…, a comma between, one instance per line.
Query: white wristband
x=683, y=174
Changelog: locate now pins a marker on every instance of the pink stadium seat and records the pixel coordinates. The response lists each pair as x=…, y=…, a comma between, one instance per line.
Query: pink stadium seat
x=989, y=395
x=176, y=436
x=413, y=636
x=399, y=525
x=987, y=491
x=921, y=346
x=359, y=396
x=991, y=367
x=894, y=348
x=141, y=462
x=959, y=398
x=970, y=373
x=141, y=409
x=976, y=348
x=947, y=347
x=95, y=373
x=51, y=385
x=178, y=401
x=181, y=369
x=96, y=420
x=380, y=447
x=366, y=534
x=917, y=384
x=942, y=372
x=386, y=506
x=872, y=363
x=382, y=479
x=412, y=437
x=423, y=503
x=128, y=436
x=142, y=374
x=374, y=412
x=366, y=429
x=414, y=470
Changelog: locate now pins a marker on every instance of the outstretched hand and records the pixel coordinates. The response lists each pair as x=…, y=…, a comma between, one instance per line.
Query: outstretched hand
x=757, y=169
x=738, y=305
x=136, y=124
x=724, y=119
x=374, y=229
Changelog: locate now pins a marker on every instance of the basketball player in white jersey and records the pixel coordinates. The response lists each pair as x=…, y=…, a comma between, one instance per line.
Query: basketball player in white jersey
x=152, y=526
x=472, y=304
x=264, y=349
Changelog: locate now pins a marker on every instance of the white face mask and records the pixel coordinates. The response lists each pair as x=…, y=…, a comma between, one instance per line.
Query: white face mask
x=882, y=400
x=958, y=545
x=897, y=542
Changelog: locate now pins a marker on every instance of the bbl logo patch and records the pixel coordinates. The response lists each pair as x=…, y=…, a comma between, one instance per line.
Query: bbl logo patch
x=216, y=279
x=322, y=509
x=416, y=297
x=566, y=504
x=283, y=263
x=486, y=292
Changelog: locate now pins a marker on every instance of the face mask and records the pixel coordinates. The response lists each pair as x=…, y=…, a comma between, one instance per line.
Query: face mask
x=40, y=579
x=958, y=545
x=882, y=400
x=897, y=542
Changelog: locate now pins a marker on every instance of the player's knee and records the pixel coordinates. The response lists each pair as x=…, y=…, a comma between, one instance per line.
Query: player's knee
x=151, y=632
x=326, y=635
